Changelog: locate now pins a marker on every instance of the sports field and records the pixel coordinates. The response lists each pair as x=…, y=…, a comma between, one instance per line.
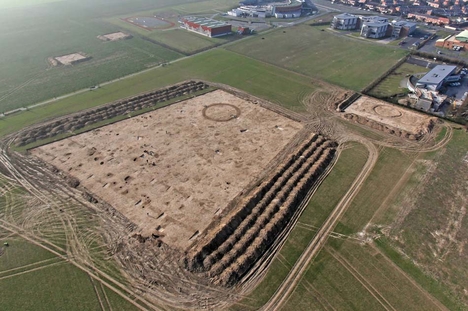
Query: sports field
x=321, y=54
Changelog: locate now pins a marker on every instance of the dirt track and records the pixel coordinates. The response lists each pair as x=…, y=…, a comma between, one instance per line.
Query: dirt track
x=38, y=183
x=314, y=247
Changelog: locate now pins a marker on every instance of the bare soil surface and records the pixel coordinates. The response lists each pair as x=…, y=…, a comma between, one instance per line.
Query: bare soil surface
x=71, y=59
x=171, y=171
x=115, y=36
x=388, y=114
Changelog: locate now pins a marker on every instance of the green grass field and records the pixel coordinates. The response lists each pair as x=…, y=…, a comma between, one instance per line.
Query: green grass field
x=58, y=29
x=391, y=85
x=7, y=4
x=435, y=226
x=34, y=278
x=389, y=169
x=30, y=37
x=350, y=276
x=322, y=203
x=218, y=65
x=321, y=54
x=173, y=37
x=187, y=42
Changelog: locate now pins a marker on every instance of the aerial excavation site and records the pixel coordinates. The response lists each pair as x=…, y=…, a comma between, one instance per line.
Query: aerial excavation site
x=217, y=155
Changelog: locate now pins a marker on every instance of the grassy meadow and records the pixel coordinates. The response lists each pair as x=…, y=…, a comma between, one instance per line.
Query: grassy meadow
x=221, y=66
x=30, y=35
x=318, y=209
x=319, y=53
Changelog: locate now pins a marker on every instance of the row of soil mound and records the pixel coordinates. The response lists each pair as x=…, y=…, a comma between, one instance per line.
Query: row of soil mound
x=109, y=111
x=389, y=129
x=231, y=249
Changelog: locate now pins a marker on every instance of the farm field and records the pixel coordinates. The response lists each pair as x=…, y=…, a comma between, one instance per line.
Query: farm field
x=187, y=42
x=350, y=276
x=48, y=282
x=321, y=54
x=433, y=227
x=218, y=66
x=375, y=195
x=325, y=199
x=7, y=4
x=391, y=85
x=27, y=77
x=36, y=265
x=169, y=33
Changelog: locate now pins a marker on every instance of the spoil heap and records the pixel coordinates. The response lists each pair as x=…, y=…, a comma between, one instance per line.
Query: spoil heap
x=108, y=111
x=232, y=248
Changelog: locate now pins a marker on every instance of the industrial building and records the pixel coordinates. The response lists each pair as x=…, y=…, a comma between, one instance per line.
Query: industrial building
x=434, y=79
x=454, y=42
x=206, y=26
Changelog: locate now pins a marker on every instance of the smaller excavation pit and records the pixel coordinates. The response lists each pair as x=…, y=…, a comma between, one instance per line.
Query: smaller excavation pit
x=389, y=118
x=116, y=36
x=149, y=22
x=69, y=59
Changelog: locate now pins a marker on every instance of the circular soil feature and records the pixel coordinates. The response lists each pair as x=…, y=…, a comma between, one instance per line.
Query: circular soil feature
x=386, y=111
x=221, y=112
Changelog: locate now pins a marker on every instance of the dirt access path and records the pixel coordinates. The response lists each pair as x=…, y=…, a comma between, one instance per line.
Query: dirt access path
x=314, y=247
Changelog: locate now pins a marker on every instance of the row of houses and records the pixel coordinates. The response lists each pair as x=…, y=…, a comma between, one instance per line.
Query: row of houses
x=373, y=26
x=439, y=12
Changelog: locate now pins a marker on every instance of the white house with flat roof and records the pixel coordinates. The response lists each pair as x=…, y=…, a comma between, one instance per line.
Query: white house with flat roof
x=434, y=79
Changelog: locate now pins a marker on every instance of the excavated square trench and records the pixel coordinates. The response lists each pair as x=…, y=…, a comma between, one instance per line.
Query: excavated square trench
x=390, y=115
x=172, y=170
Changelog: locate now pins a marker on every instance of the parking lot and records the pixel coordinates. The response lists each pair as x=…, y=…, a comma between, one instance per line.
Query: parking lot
x=416, y=37
x=431, y=48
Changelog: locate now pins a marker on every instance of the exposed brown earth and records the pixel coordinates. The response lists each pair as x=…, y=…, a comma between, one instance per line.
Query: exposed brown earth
x=118, y=108
x=115, y=36
x=229, y=250
x=389, y=118
x=171, y=171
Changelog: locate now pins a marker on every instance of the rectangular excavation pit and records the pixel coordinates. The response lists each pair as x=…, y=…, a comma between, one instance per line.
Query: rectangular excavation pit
x=387, y=117
x=197, y=173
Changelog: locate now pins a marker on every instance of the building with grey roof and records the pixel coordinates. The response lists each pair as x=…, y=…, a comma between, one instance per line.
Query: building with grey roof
x=344, y=21
x=434, y=79
x=402, y=28
x=374, y=27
